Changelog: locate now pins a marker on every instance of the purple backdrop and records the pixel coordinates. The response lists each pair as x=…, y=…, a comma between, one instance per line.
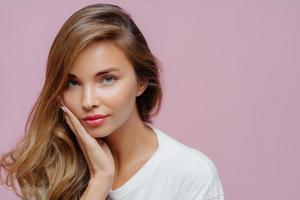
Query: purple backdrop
x=231, y=68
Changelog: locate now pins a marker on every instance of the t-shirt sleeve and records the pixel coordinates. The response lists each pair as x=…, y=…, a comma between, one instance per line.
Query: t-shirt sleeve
x=201, y=182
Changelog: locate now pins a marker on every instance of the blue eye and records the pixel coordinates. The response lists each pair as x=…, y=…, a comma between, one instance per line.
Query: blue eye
x=70, y=82
x=109, y=78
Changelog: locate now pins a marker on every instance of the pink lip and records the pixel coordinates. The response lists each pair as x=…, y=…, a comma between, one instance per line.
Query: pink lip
x=93, y=117
x=95, y=122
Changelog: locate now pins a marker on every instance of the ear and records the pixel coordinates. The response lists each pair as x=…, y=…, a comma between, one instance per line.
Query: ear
x=142, y=85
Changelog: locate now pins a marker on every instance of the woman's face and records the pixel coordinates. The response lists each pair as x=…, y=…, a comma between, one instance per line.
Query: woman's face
x=113, y=93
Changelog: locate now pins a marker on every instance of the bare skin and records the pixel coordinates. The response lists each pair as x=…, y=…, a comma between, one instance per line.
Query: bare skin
x=98, y=156
x=127, y=142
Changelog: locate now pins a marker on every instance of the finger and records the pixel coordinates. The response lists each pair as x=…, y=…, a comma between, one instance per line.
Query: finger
x=88, y=143
x=67, y=118
x=87, y=139
x=73, y=119
x=79, y=141
x=71, y=125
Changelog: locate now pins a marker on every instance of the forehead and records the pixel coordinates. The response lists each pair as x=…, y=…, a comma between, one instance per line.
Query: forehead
x=100, y=56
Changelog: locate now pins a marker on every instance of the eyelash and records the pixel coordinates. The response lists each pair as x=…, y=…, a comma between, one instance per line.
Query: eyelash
x=104, y=78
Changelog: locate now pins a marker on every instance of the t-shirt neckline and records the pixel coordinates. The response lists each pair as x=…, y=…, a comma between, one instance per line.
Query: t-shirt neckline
x=143, y=173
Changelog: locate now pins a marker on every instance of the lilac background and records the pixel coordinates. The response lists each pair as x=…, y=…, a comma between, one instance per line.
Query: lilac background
x=231, y=71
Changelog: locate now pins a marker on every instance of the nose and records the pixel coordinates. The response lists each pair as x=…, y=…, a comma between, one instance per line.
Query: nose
x=89, y=98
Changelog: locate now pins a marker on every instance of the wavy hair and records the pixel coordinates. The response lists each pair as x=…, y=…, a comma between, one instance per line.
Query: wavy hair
x=47, y=162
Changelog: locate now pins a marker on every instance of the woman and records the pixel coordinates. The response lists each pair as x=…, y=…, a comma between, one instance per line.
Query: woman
x=89, y=135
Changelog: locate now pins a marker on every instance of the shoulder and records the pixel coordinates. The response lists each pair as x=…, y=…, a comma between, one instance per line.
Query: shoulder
x=187, y=157
x=200, y=176
x=195, y=164
x=196, y=173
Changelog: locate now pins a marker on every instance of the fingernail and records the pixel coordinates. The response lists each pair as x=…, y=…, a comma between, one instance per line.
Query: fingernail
x=62, y=108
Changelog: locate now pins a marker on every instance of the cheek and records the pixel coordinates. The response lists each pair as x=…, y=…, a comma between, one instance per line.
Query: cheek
x=71, y=100
x=121, y=97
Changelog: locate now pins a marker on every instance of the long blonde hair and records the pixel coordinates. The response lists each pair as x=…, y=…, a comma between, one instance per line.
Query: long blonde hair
x=48, y=160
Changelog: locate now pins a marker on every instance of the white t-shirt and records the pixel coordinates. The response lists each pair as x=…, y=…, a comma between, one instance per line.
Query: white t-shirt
x=174, y=172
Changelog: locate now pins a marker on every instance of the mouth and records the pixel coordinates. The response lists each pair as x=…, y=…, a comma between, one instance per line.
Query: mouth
x=92, y=117
x=95, y=122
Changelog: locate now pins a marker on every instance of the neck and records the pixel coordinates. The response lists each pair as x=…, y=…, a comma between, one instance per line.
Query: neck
x=131, y=143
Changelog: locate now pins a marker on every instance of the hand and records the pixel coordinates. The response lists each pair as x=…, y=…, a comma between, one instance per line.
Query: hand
x=97, y=153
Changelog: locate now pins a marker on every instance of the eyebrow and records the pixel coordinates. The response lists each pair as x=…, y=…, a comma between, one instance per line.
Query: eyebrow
x=105, y=71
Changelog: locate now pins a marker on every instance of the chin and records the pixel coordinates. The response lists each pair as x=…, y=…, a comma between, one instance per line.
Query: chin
x=98, y=132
